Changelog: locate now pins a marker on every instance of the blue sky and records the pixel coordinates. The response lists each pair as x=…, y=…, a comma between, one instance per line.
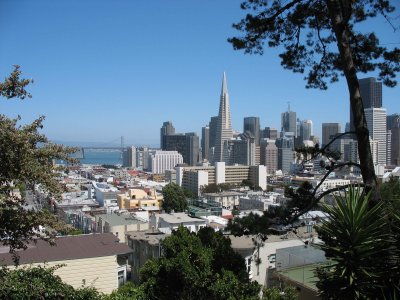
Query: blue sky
x=105, y=69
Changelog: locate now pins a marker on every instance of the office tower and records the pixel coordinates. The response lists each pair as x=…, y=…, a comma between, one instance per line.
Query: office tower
x=129, y=157
x=286, y=154
x=192, y=148
x=224, y=126
x=395, y=145
x=166, y=129
x=252, y=124
x=289, y=123
x=393, y=121
x=270, y=133
x=205, y=141
x=213, y=130
x=306, y=130
x=376, y=121
x=186, y=144
x=329, y=131
x=269, y=155
x=371, y=94
x=243, y=150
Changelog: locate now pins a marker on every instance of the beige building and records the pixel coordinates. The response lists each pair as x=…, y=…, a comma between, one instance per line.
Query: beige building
x=139, y=198
x=119, y=225
x=228, y=200
x=96, y=260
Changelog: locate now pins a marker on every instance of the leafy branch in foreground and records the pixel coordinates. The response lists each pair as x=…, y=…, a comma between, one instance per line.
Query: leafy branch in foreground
x=26, y=163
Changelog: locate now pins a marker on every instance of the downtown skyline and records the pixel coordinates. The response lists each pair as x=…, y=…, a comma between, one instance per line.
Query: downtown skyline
x=103, y=70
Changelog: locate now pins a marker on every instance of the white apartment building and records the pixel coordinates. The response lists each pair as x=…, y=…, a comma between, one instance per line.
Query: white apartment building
x=160, y=161
x=330, y=183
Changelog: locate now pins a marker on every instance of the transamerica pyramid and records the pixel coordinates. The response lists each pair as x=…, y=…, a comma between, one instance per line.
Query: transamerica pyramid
x=224, y=126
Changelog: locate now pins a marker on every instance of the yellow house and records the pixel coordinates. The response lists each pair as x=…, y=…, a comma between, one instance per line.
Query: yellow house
x=139, y=198
x=97, y=260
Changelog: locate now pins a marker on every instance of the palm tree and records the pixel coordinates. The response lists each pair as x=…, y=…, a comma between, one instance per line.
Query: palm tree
x=360, y=247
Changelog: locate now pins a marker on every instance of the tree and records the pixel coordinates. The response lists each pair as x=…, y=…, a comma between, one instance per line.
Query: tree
x=191, y=268
x=364, y=257
x=26, y=162
x=40, y=283
x=287, y=293
x=174, y=198
x=309, y=30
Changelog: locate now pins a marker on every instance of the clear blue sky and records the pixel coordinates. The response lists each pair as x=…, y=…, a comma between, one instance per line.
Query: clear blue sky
x=105, y=69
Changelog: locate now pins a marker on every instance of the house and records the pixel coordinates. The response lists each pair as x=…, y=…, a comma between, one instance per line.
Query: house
x=97, y=260
x=168, y=222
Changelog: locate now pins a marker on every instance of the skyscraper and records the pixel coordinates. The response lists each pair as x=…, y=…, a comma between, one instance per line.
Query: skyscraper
x=270, y=133
x=252, y=124
x=329, y=131
x=289, y=122
x=306, y=130
x=205, y=141
x=186, y=144
x=376, y=122
x=371, y=94
x=224, y=126
x=166, y=129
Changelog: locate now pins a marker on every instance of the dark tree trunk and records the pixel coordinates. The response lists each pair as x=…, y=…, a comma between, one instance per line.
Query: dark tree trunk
x=340, y=13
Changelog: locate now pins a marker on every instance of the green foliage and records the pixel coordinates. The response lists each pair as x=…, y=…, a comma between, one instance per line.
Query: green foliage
x=287, y=293
x=197, y=267
x=14, y=87
x=360, y=246
x=174, y=198
x=40, y=283
x=127, y=292
x=26, y=161
x=390, y=192
x=251, y=224
x=305, y=30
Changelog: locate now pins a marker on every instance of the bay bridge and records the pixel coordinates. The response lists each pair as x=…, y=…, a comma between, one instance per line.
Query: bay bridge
x=80, y=154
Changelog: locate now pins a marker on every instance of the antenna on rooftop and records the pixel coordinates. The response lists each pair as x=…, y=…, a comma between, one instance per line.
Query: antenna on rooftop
x=288, y=103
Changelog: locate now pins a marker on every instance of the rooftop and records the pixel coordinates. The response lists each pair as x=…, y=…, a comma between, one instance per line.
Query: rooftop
x=67, y=248
x=123, y=219
x=153, y=238
x=178, y=218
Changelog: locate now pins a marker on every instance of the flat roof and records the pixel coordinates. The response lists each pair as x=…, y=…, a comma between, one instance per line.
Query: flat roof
x=153, y=238
x=177, y=218
x=304, y=275
x=67, y=248
x=123, y=219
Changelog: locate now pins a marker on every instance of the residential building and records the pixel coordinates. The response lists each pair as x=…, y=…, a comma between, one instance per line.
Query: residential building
x=106, y=195
x=226, y=199
x=95, y=259
x=166, y=223
x=129, y=157
x=140, y=198
x=160, y=161
x=224, y=126
x=119, y=224
x=145, y=245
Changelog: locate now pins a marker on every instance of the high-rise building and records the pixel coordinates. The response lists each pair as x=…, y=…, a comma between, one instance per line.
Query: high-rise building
x=371, y=94
x=393, y=121
x=186, y=144
x=289, y=121
x=129, y=157
x=224, y=126
x=395, y=153
x=286, y=154
x=270, y=133
x=166, y=129
x=252, y=124
x=243, y=150
x=269, y=155
x=306, y=130
x=329, y=131
x=205, y=141
x=376, y=122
